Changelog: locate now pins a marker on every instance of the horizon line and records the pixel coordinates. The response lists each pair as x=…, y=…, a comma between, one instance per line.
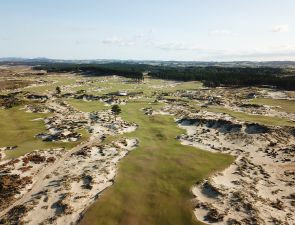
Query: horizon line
x=117, y=59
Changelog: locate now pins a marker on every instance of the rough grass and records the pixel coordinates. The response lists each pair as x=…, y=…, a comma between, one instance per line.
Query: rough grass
x=113, y=84
x=17, y=128
x=267, y=120
x=280, y=104
x=154, y=180
x=53, y=82
x=13, y=84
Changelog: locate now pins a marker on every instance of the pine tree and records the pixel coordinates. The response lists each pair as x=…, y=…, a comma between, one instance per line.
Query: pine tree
x=116, y=110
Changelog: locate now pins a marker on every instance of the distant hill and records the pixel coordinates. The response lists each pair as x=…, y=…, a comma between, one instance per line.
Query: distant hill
x=35, y=61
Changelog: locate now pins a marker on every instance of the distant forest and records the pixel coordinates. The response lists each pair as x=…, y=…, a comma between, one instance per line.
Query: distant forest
x=211, y=76
x=93, y=69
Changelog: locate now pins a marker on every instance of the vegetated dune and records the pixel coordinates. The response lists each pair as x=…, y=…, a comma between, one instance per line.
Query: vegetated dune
x=257, y=188
x=76, y=142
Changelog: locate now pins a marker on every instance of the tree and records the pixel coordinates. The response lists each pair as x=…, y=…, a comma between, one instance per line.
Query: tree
x=58, y=90
x=116, y=110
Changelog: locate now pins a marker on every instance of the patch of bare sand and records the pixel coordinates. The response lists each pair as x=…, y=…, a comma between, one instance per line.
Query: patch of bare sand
x=64, y=194
x=259, y=187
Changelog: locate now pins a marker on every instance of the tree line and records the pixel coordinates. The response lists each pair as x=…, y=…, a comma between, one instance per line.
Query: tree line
x=212, y=76
x=230, y=76
x=93, y=69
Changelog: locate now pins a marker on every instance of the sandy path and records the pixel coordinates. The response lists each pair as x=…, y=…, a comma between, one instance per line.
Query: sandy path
x=38, y=184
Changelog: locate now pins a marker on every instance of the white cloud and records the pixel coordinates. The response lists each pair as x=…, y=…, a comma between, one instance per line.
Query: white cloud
x=118, y=41
x=4, y=38
x=193, y=49
x=221, y=32
x=280, y=28
x=177, y=46
x=145, y=37
x=146, y=34
x=280, y=52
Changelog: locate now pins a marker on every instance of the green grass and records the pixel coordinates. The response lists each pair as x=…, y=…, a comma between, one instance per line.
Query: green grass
x=267, y=120
x=17, y=128
x=59, y=80
x=191, y=85
x=148, y=86
x=86, y=106
x=41, y=89
x=154, y=180
x=283, y=104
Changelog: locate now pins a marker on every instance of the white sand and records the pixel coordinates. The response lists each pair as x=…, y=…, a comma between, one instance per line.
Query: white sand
x=256, y=176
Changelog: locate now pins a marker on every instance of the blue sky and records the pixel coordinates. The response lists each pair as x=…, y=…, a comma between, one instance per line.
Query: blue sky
x=221, y=30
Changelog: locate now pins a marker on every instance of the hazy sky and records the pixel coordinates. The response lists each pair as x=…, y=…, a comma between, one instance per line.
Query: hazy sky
x=220, y=30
